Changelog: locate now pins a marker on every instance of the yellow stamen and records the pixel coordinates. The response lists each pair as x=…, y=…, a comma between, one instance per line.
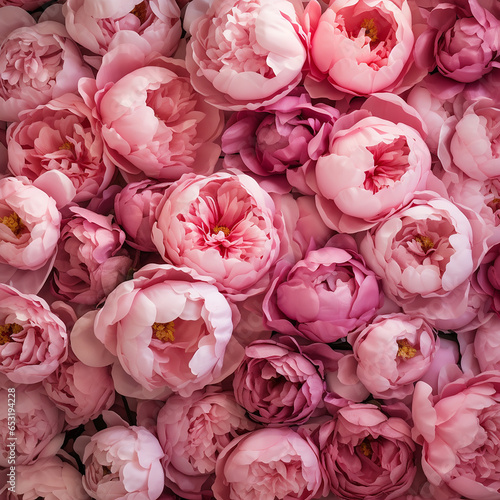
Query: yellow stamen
x=366, y=448
x=425, y=242
x=164, y=331
x=406, y=350
x=14, y=223
x=140, y=11
x=370, y=29
x=66, y=145
x=224, y=229
x=7, y=330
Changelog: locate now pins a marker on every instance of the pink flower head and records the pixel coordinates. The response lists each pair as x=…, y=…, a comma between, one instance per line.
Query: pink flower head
x=33, y=340
x=25, y=4
x=487, y=277
x=37, y=64
x=222, y=226
x=122, y=463
x=324, y=296
x=393, y=352
x=458, y=429
x=245, y=54
x=373, y=166
x=61, y=136
x=94, y=24
x=367, y=454
x=486, y=344
x=38, y=425
x=361, y=46
x=153, y=122
x=193, y=431
x=168, y=327
x=90, y=261
x=268, y=463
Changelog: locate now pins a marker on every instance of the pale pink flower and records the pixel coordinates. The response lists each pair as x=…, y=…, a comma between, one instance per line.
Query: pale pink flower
x=245, y=54
x=121, y=463
x=222, y=226
x=94, y=24
x=486, y=344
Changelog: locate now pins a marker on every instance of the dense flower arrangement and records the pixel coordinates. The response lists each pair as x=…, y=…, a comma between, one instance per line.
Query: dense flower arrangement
x=249, y=249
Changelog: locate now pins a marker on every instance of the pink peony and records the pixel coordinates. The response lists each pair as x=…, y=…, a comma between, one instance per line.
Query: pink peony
x=367, y=454
x=486, y=344
x=121, y=463
x=458, y=429
x=193, y=431
x=61, y=137
x=222, y=226
x=243, y=55
x=90, y=260
x=93, y=25
x=393, y=352
x=37, y=64
x=324, y=296
x=168, y=327
x=268, y=463
x=25, y=4
x=361, y=46
x=38, y=425
x=153, y=122
x=486, y=279
x=33, y=340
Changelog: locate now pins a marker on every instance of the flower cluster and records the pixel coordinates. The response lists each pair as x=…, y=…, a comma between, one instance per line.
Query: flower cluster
x=249, y=249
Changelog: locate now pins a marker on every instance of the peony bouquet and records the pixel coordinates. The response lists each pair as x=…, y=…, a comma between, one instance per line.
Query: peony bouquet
x=249, y=249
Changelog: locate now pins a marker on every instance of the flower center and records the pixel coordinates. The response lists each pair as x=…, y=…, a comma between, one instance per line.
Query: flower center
x=370, y=29
x=140, y=11
x=14, y=223
x=405, y=349
x=425, y=242
x=224, y=229
x=7, y=330
x=66, y=145
x=105, y=470
x=366, y=448
x=164, y=331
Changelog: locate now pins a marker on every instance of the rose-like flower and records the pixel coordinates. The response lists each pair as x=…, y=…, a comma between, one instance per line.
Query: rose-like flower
x=38, y=425
x=243, y=55
x=324, y=296
x=135, y=207
x=222, y=226
x=37, y=64
x=94, y=24
x=168, y=327
x=461, y=41
x=367, y=454
x=61, y=136
x=459, y=429
x=269, y=463
x=393, y=352
x=153, y=122
x=361, y=46
x=90, y=260
x=374, y=164
x=121, y=463
x=33, y=340
x=193, y=431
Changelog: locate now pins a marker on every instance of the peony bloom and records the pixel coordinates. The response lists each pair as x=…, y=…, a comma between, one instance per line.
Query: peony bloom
x=324, y=296
x=459, y=430
x=93, y=25
x=168, y=327
x=90, y=260
x=193, y=431
x=268, y=463
x=37, y=63
x=245, y=54
x=60, y=137
x=461, y=40
x=367, y=454
x=222, y=226
x=38, y=425
x=486, y=344
x=153, y=122
x=361, y=46
x=375, y=162
x=33, y=340
x=486, y=279
x=25, y=4
x=393, y=352
x=121, y=463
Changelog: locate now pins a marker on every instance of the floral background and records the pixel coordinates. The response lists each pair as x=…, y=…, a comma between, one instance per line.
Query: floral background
x=249, y=249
